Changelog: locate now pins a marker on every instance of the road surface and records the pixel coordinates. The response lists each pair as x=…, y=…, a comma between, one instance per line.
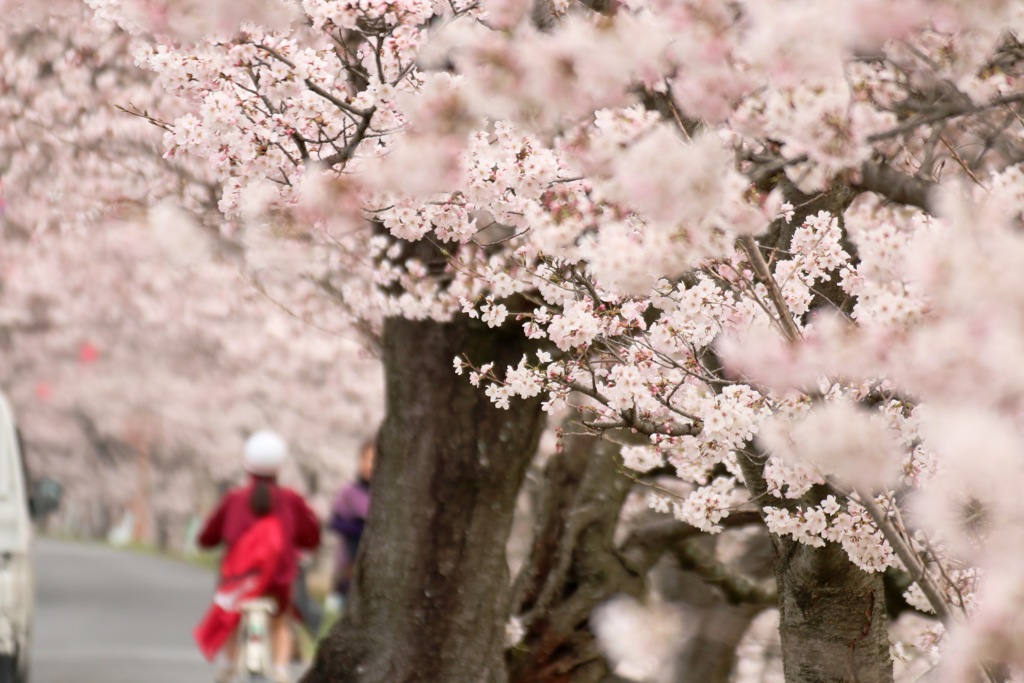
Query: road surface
x=109, y=616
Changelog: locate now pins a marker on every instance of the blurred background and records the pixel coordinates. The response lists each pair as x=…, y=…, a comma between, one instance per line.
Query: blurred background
x=136, y=379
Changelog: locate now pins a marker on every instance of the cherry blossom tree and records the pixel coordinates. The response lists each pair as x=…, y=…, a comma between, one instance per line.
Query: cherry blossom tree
x=775, y=240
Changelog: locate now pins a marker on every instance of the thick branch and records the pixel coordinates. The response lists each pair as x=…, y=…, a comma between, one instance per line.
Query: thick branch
x=572, y=573
x=646, y=544
x=896, y=186
x=737, y=587
x=579, y=519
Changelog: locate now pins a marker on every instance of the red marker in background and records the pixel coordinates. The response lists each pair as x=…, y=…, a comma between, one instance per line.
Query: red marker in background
x=87, y=354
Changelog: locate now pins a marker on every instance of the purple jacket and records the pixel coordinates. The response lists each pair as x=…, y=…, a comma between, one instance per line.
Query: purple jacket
x=348, y=517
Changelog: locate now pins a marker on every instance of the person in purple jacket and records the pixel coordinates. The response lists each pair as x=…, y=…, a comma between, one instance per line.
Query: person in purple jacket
x=348, y=517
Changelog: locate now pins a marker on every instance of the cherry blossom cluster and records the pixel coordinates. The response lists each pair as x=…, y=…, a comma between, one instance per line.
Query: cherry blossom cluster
x=851, y=527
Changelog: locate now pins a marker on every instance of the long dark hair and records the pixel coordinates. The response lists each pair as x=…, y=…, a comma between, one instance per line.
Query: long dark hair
x=261, y=500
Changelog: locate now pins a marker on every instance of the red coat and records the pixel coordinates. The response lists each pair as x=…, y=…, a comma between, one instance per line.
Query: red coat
x=245, y=573
x=299, y=526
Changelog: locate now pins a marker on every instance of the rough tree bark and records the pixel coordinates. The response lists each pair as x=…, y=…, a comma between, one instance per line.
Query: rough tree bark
x=430, y=595
x=575, y=565
x=832, y=617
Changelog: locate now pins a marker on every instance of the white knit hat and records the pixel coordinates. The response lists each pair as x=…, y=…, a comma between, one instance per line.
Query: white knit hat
x=265, y=452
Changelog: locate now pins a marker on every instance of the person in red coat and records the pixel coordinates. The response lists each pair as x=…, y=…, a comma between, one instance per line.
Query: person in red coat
x=245, y=573
x=242, y=508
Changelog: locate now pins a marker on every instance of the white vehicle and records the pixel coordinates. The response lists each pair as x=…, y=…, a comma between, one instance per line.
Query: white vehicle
x=16, y=579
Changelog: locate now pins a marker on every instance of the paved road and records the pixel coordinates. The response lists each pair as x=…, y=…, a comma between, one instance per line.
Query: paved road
x=107, y=616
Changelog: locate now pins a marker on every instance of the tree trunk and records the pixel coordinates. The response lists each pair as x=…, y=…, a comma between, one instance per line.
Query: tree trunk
x=430, y=594
x=573, y=566
x=832, y=617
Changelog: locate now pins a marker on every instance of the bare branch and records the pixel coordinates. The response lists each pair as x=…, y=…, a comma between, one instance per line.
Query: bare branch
x=737, y=587
x=653, y=537
x=786, y=322
x=951, y=111
x=908, y=556
x=350, y=148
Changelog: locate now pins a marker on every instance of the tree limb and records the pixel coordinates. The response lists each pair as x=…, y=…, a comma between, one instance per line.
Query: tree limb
x=962, y=108
x=786, y=322
x=899, y=187
x=646, y=543
x=737, y=587
x=350, y=148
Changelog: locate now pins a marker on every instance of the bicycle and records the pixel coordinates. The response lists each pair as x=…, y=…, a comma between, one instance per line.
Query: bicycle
x=254, y=661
